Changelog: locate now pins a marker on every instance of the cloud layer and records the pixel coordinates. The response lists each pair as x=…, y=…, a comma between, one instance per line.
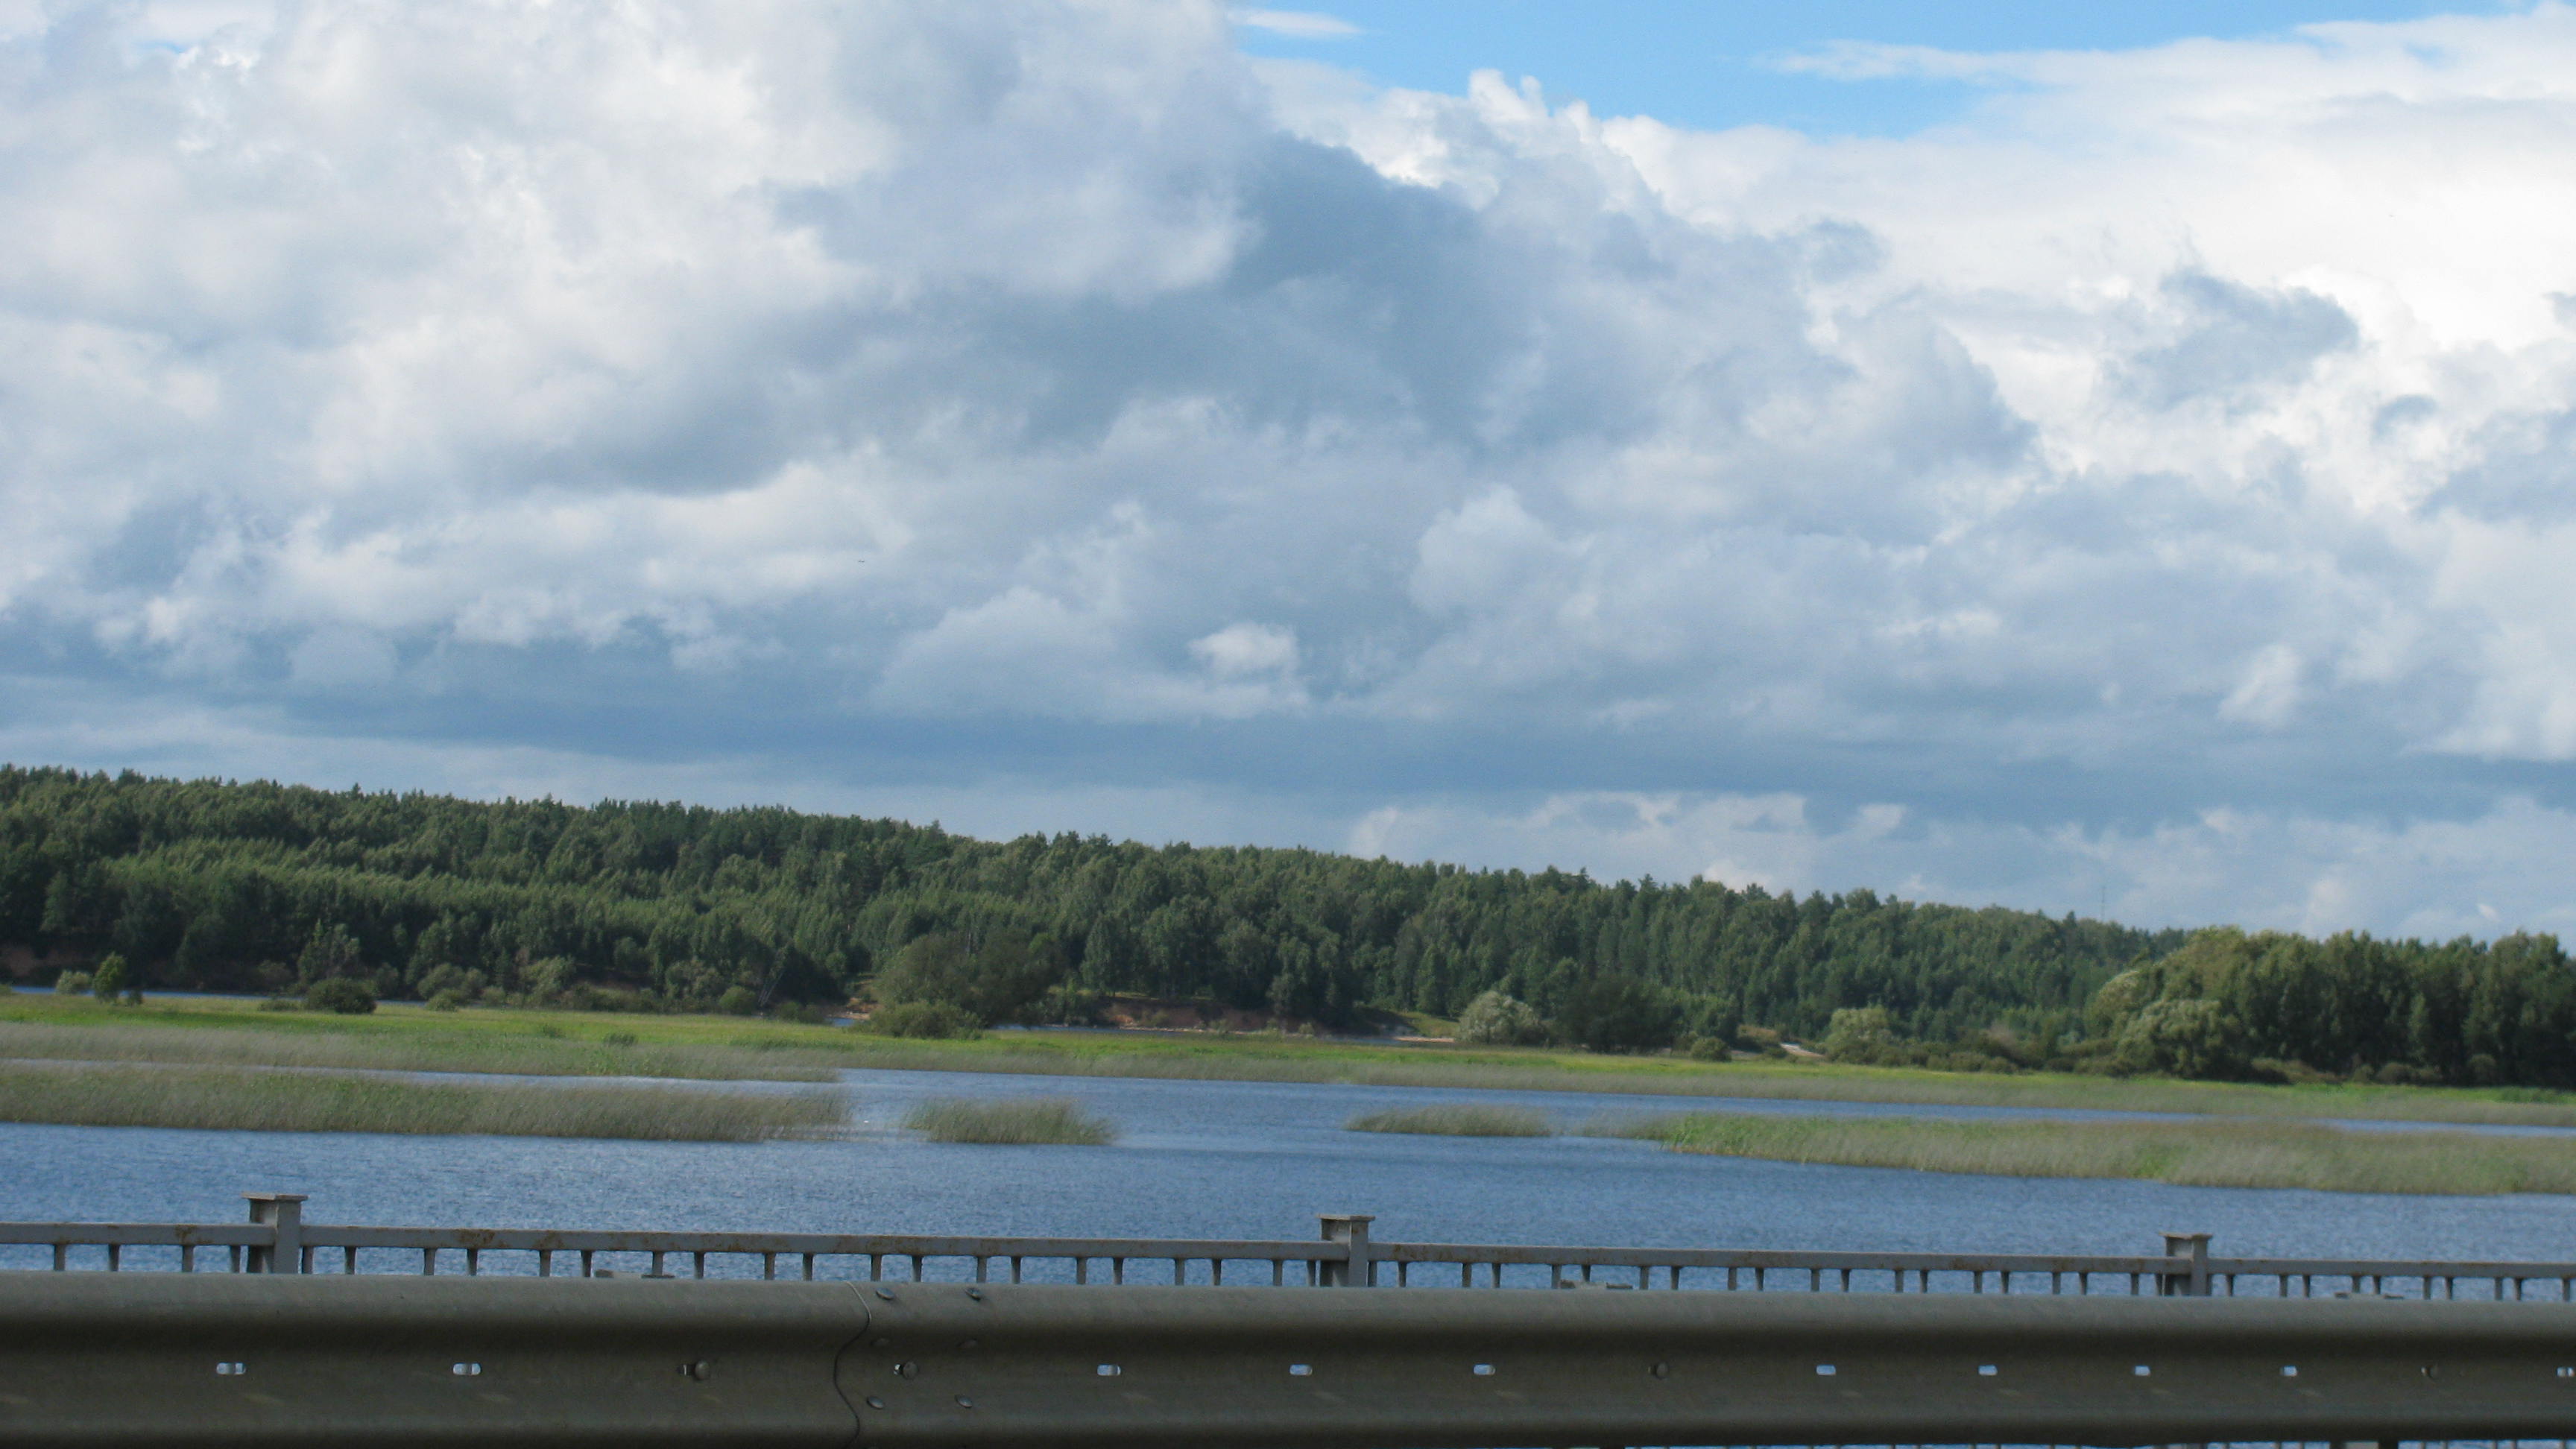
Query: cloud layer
x=2154, y=490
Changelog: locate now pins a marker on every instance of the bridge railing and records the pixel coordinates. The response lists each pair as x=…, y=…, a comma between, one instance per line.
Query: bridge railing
x=165, y=1361
x=278, y=1239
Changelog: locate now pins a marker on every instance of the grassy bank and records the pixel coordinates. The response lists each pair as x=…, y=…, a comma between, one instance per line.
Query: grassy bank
x=259, y=1101
x=39, y=1024
x=2198, y=1154
x=36, y=1026
x=1455, y=1119
x=1011, y=1122
x=1271, y=1059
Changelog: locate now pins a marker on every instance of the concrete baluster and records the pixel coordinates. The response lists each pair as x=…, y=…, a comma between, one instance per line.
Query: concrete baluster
x=284, y=1212
x=1359, y=1270
x=2190, y=1277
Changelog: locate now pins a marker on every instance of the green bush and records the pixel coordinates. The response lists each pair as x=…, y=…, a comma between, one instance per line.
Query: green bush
x=114, y=980
x=738, y=1001
x=341, y=996
x=1494, y=1019
x=445, y=1001
x=995, y=979
x=1711, y=1049
x=280, y=1003
x=930, y=1019
x=72, y=983
x=1616, y=1013
x=1861, y=1034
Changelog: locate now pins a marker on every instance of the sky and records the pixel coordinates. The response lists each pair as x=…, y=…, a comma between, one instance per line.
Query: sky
x=2115, y=460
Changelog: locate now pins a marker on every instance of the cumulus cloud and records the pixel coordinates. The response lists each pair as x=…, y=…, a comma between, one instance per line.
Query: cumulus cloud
x=2182, y=437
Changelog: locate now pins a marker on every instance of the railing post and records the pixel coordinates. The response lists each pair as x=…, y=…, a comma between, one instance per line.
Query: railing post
x=283, y=1211
x=1351, y=1230
x=2190, y=1278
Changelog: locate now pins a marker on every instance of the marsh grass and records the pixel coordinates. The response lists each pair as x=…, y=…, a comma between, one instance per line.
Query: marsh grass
x=415, y=1038
x=1252, y=1059
x=1011, y=1121
x=518, y=1053
x=1456, y=1119
x=2202, y=1153
x=267, y=1101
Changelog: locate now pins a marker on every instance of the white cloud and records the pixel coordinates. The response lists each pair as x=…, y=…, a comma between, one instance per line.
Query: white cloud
x=1241, y=649
x=1296, y=24
x=2178, y=438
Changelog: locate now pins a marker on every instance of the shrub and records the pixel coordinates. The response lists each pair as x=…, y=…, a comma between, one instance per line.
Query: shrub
x=1617, y=1013
x=738, y=1001
x=445, y=1001
x=929, y=1019
x=114, y=980
x=72, y=983
x=1068, y=1006
x=1860, y=1034
x=1711, y=1049
x=995, y=980
x=1494, y=1019
x=2184, y=1037
x=341, y=996
x=280, y=1003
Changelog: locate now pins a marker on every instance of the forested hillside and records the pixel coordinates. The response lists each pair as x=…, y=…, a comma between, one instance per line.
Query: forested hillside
x=260, y=886
x=270, y=888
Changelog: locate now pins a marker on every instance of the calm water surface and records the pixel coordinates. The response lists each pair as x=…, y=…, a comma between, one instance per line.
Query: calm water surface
x=1225, y=1159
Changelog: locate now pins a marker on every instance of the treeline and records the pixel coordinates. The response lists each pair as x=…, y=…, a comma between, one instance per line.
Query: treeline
x=2233, y=1005
x=262, y=887
x=222, y=886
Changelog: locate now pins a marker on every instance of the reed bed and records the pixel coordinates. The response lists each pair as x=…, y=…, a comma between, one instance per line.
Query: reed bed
x=1011, y=1121
x=1385, y=1066
x=508, y=1050
x=300, y=1101
x=2202, y=1153
x=1456, y=1119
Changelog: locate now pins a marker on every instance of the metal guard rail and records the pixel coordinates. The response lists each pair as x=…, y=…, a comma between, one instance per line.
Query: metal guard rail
x=105, y=1361
x=278, y=1240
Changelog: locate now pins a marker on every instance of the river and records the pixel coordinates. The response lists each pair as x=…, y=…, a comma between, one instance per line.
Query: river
x=1224, y=1159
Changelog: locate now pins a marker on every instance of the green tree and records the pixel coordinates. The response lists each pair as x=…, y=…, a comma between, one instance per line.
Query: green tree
x=114, y=981
x=993, y=980
x=1618, y=1013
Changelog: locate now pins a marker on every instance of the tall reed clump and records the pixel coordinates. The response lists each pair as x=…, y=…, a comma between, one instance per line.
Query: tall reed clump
x=1455, y=1119
x=1011, y=1121
x=274, y=1101
x=2199, y=1153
